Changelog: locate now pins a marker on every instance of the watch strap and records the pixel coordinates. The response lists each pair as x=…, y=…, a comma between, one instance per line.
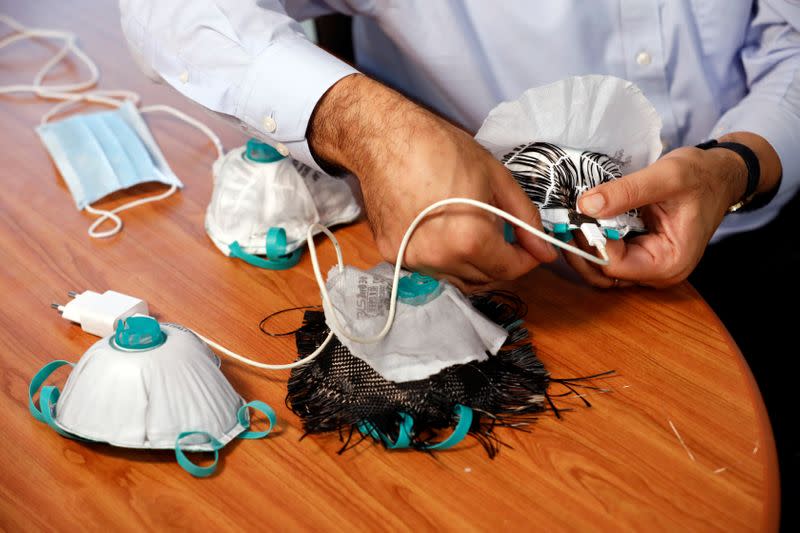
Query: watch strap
x=753, y=173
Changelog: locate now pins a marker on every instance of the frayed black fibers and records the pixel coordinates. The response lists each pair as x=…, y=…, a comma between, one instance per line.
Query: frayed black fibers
x=339, y=392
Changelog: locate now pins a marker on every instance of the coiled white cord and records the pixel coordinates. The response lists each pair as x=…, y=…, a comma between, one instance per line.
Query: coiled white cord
x=70, y=95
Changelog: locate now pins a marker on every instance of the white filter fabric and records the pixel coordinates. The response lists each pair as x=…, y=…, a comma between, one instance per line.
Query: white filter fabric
x=596, y=113
x=251, y=197
x=424, y=339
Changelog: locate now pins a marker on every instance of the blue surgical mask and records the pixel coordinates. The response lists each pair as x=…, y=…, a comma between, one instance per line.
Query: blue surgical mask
x=101, y=153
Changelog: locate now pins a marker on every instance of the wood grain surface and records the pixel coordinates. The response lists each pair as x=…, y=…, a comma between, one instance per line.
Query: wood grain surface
x=616, y=465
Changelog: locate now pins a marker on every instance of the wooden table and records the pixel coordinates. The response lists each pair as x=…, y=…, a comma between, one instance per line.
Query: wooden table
x=616, y=465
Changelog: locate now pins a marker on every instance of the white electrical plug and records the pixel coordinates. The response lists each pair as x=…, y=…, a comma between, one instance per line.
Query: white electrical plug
x=98, y=314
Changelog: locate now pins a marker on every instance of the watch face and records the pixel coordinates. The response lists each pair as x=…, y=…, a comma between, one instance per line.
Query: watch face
x=554, y=178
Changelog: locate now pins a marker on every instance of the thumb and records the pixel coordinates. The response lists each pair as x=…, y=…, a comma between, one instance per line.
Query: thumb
x=647, y=186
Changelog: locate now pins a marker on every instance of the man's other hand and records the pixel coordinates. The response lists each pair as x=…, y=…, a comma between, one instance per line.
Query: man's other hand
x=683, y=198
x=407, y=158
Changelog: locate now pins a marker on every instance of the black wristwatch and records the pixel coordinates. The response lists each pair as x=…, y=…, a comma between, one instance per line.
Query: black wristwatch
x=749, y=200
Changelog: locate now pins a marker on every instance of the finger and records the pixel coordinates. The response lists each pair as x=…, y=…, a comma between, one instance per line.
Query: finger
x=650, y=185
x=510, y=197
x=463, y=286
x=641, y=259
x=504, y=261
x=481, y=245
x=460, y=274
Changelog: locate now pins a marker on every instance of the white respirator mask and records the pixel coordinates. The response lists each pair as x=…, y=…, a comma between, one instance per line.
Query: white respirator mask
x=435, y=326
x=151, y=386
x=264, y=203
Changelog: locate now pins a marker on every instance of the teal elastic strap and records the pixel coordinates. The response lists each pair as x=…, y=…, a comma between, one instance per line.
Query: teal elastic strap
x=48, y=399
x=277, y=258
x=560, y=227
x=37, y=382
x=403, y=434
x=244, y=420
x=508, y=233
x=407, y=425
x=186, y=464
x=462, y=428
x=564, y=236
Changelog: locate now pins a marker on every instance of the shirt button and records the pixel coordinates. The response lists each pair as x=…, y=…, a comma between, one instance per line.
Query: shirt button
x=281, y=148
x=269, y=124
x=643, y=58
x=184, y=77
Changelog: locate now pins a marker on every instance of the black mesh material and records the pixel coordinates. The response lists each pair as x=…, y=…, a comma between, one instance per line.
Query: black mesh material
x=551, y=179
x=338, y=391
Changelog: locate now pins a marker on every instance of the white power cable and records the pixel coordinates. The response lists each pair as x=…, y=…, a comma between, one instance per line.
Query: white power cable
x=397, y=270
x=266, y=366
x=402, y=250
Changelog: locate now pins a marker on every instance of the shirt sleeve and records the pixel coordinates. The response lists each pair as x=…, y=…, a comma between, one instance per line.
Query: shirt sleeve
x=771, y=60
x=249, y=62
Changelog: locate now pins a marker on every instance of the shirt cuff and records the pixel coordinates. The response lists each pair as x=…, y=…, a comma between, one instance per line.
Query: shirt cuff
x=280, y=91
x=779, y=124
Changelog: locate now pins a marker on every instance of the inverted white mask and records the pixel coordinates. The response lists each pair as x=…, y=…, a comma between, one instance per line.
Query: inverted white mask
x=264, y=203
x=561, y=139
x=151, y=385
x=435, y=326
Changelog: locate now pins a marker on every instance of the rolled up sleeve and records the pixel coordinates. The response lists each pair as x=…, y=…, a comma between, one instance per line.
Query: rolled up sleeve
x=771, y=60
x=250, y=63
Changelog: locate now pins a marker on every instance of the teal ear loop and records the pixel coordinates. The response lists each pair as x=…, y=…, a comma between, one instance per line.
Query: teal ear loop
x=406, y=429
x=277, y=258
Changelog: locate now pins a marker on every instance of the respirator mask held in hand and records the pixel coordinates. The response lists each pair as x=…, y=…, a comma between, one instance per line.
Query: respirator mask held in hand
x=264, y=203
x=150, y=386
x=565, y=138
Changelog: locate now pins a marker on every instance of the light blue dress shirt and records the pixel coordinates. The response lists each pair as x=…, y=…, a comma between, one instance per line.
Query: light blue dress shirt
x=708, y=66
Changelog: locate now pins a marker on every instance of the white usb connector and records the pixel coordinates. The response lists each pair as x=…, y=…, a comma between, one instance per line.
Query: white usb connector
x=594, y=236
x=98, y=314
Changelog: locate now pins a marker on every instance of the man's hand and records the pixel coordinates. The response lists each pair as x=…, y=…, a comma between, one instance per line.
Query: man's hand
x=406, y=158
x=683, y=197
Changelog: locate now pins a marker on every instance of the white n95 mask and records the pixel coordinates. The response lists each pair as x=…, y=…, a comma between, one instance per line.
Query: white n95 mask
x=101, y=153
x=150, y=385
x=561, y=139
x=435, y=326
x=264, y=203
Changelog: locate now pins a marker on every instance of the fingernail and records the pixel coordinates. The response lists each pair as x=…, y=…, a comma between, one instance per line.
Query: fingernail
x=592, y=204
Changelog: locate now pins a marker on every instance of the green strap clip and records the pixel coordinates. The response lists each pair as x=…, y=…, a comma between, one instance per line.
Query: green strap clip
x=276, y=259
x=406, y=428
